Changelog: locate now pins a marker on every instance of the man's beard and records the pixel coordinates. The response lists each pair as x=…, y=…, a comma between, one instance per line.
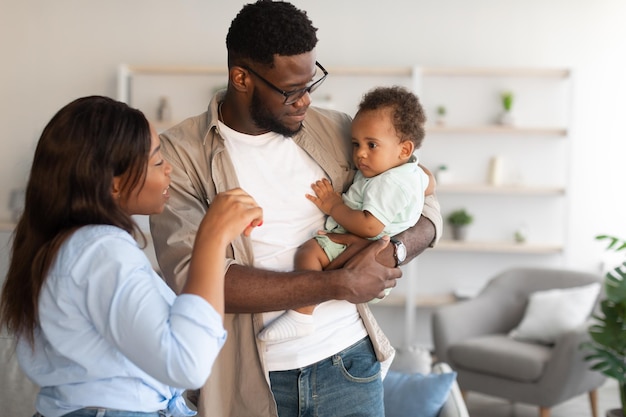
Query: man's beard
x=263, y=119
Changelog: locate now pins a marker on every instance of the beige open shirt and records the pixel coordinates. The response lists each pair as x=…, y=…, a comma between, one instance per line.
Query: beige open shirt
x=239, y=382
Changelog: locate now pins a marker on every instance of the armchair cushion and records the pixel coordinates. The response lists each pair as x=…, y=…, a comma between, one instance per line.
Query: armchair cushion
x=501, y=356
x=416, y=395
x=549, y=314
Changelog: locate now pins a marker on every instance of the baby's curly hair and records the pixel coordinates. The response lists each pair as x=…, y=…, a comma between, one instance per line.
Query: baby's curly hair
x=408, y=116
x=267, y=28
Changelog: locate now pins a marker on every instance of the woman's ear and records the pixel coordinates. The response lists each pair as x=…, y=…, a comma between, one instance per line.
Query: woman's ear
x=407, y=148
x=116, y=188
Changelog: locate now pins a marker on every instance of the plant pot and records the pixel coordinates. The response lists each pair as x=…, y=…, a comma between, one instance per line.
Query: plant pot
x=459, y=232
x=507, y=118
x=616, y=412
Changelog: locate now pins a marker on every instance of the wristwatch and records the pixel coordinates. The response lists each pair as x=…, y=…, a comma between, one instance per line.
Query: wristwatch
x=399, y=251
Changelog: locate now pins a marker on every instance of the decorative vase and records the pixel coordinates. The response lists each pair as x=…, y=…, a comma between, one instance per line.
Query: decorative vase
x=444, y=175
x=616, y=412
x=507, y=118
x=459, y=232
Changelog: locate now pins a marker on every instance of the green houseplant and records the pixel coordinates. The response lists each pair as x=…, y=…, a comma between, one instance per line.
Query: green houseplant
x=507, y=100
x=459, y=220
x=608, y=333
x=441, y=115
x=506, y=118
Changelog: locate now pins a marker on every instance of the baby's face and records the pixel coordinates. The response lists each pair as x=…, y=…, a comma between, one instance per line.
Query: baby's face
x=375, y=145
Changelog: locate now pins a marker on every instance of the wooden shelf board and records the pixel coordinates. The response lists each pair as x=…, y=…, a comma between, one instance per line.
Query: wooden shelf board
x=424, y=300
x=497, y=129
x=498, y=72
x=6, y=226
x=497, y=247
x=499, y=189
x=177, y=69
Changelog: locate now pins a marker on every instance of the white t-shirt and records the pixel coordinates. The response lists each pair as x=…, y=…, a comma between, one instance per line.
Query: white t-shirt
x=277, y=173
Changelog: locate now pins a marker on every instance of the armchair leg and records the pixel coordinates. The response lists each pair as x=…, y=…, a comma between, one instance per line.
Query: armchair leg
x=464, y=395
x=593, y=401
x=544, y=412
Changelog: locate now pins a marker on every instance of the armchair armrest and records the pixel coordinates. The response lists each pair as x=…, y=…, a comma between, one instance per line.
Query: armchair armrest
x=456, y=322
x=568, y=367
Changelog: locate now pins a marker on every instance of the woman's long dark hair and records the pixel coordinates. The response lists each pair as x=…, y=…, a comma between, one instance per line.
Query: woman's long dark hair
x=85, y=145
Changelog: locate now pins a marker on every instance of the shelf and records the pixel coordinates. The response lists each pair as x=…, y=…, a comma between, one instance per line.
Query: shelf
x=495, y=72
x=425, y=300
x=497, y=247
x=6, y=226
x=498, y=189
x=500, y=130
x=173, y=69
x=347, y=70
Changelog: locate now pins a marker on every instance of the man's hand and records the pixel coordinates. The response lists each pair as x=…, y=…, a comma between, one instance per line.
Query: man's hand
x=365, y=277
x=354, y=245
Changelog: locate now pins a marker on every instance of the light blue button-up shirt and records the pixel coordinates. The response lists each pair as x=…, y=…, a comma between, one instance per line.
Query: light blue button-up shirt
x=112, y=334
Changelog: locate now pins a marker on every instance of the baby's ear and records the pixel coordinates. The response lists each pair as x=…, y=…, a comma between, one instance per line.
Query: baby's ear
x=407, y=148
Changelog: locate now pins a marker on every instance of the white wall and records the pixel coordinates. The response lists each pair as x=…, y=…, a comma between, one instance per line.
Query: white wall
x=53, y=52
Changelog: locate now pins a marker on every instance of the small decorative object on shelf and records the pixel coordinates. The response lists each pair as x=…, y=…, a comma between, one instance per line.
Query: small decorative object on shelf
x=506, y=118
x=325, y=101
x=521, y=234
x=459, y=220
x=164, y=112
x=494, y=176
x=443, y=175
x=608, y=337
x=441, y=115
x=16, y=203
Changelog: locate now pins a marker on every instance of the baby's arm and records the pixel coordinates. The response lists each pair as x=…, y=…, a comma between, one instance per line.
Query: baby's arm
x=430, y=189
x=360, y=223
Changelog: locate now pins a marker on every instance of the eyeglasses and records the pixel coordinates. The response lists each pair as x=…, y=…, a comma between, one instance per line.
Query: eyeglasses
x=293, y=95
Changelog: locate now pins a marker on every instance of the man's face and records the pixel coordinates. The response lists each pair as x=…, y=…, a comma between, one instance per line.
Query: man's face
x=266, y=120
x=267, y=106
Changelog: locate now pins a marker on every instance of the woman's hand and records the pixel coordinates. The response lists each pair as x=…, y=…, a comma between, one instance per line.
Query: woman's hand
x=231, y=213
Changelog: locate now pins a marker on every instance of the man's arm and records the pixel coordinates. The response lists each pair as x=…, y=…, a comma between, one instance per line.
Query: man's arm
x=426, y=233
x=247, y=289
x=362, y=278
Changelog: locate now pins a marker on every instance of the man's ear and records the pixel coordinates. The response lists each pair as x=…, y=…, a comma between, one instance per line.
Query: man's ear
x=407, y=148
x=239, y=78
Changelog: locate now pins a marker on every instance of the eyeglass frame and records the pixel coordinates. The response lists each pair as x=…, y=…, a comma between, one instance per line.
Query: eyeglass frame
x=299, y=93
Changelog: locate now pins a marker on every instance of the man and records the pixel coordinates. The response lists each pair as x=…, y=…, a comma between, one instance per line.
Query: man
x=261, y=135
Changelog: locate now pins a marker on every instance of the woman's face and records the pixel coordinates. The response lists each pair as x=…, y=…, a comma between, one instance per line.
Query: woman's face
x=151, y=196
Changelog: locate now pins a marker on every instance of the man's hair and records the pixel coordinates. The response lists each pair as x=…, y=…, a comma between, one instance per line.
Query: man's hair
x=407, y=114
x=267, y=28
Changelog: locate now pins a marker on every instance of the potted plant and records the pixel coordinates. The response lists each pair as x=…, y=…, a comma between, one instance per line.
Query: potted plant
x=441, y=115
x=507, y=104
x=459, y=220
x=608, y=333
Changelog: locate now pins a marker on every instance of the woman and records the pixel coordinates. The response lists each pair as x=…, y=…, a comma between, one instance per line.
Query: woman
x=97, y=328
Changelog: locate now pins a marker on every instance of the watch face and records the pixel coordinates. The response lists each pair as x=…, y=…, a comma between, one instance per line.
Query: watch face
x=400, y=252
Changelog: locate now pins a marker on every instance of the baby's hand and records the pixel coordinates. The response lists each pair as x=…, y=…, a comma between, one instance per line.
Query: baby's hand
x=325, y=197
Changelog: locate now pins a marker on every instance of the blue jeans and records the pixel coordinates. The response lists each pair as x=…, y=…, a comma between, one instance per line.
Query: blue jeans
x=345, y=384
x=105, y=412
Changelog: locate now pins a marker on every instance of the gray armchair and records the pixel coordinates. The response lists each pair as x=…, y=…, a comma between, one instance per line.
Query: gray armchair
x=472, y=337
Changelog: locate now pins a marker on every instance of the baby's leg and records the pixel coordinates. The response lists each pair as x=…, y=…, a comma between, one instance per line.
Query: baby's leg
x=299, y=322
x=310, y=257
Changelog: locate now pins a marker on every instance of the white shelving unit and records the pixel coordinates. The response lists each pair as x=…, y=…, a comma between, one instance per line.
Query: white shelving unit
x=535, y=150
